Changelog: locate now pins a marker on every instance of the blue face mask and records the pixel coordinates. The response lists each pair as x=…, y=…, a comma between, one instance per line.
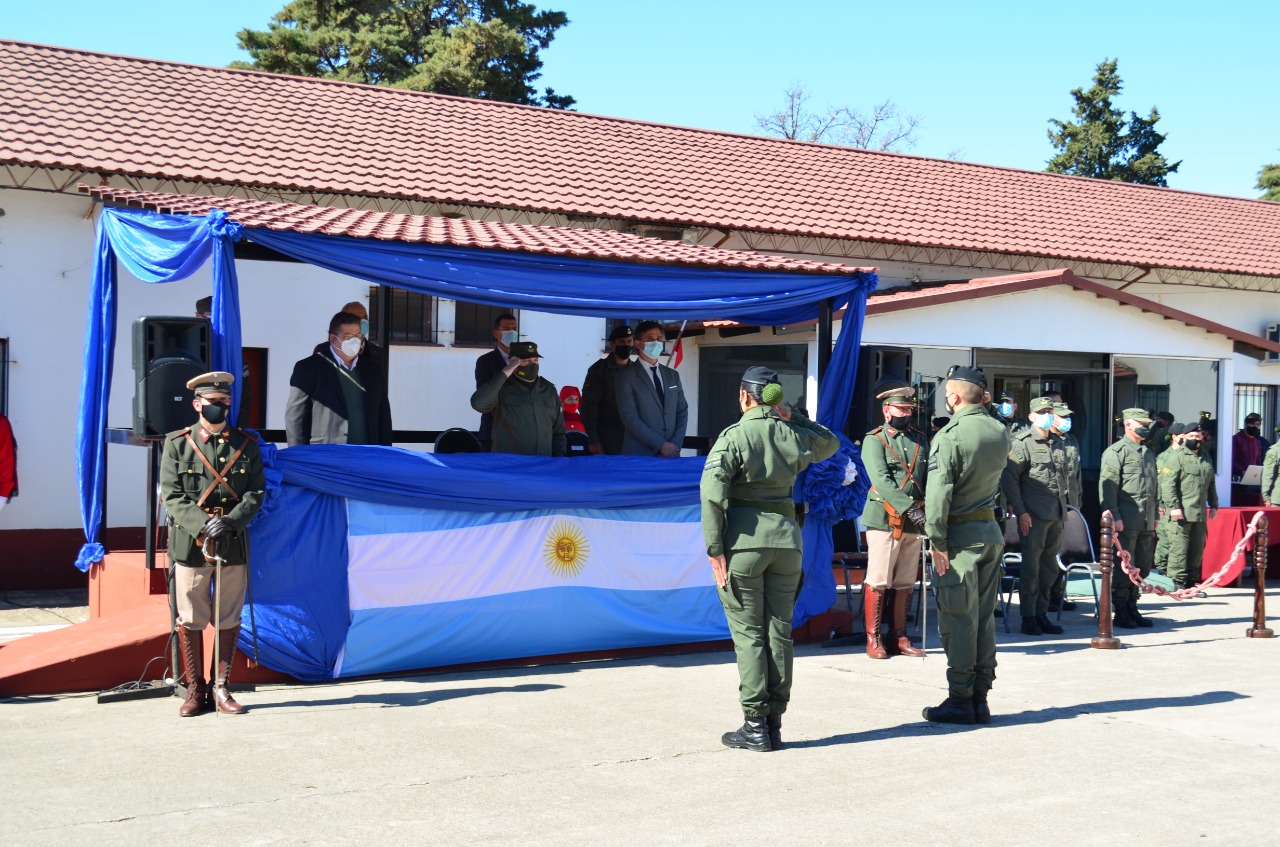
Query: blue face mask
x=509, y=337
x=654, y=349
x=364, y=328
x=1065, y=426
x=1005, y=409
x=1044, y=421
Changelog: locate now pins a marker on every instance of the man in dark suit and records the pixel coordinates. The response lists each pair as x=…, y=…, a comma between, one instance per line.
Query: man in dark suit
x=337, y=396
x=491, y=364
x=651, y=400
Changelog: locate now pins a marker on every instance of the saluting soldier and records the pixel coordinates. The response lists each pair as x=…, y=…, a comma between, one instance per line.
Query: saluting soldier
x=1186, y=485
x=1128, y=487
x=526, y=417
x=895, y=458
x=1036, y=488
x=212, y=484
x=753, y=543
x=966, y=462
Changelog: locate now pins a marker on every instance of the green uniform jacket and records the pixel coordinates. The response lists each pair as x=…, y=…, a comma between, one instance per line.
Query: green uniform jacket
x=887, y=473
x=183, y=479
x=1075, y=485
x=748, y=479
x=527, y=418
x=965, y=465
x=1271, y=475
x=1186, y=482
x=1128, y=486
x=1035, y=478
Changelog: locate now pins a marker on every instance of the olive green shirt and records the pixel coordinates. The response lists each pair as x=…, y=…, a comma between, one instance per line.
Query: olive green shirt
x=1186, y=483
x=887, y=471
x=1271, y=475
x=1075, y=485
x=1128, y=484
x=755, y=461
x=966, y=461
x=1035, y=478
x=184, y=478
x=527, y=418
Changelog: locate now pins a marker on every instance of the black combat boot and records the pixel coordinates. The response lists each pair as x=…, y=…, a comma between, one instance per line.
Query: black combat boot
x=1123, y=619
x=981, y=711
x=1030, y=626
x=752, y=735
x=1137, y=617
x=1047, y=626
x=952, y=710
x=774, y=723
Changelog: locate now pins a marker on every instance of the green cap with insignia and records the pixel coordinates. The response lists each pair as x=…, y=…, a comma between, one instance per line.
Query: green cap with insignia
x=214, y=382
x=1062, y=410
x=895, y=392
x=1135, y=414
x=1041, y=404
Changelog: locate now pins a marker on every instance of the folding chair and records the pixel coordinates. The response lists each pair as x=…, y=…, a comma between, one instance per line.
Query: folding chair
x=1076, y=555
x=849, y=556
x=577, y=443
x=1010, y=566
x=457, y=440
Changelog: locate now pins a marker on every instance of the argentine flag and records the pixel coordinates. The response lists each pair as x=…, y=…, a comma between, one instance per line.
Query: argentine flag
x=435, y=587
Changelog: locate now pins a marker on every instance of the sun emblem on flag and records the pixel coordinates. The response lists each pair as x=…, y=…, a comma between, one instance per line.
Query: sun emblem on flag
x=566, y=549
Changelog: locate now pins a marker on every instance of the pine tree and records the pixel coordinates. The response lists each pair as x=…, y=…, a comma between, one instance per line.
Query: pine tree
x=1269, y=182
x=1100, y=143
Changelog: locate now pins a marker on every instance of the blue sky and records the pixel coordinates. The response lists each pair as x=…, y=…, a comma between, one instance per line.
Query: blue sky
x=984, y=77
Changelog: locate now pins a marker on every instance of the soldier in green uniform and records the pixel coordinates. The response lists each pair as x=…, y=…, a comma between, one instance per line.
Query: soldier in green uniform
x=212, y=484
x=1075, y=489
x=753, y=543
x=527, y=418
x=1163, y=458
x=966, y=462
x=1271, y=476
x=1128, y=488
x=1036, y=487
x=895, y=457
x=1186, y=484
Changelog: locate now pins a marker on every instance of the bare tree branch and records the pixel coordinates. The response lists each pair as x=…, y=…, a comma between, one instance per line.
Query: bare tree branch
x=885, y=127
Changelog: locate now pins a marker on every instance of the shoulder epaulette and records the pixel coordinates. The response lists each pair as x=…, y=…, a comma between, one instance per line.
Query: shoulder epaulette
x=877, y=429
x=174, y=436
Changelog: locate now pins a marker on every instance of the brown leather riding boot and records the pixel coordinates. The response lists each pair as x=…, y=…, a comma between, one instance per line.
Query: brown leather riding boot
x=874, y=608
x=221, y=693
x=191, y=643
x=898, y=641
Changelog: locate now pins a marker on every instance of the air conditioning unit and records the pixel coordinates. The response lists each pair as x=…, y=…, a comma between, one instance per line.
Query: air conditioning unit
x=1273, y=335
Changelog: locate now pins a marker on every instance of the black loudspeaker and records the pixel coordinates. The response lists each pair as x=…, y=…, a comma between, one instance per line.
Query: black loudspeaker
x=167, y=352
x=875, y=364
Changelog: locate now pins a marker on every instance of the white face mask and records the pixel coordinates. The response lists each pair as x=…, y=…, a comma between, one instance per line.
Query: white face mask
x=654, y=349
x=509, y=337
x=351, y=347
x=1044, y=421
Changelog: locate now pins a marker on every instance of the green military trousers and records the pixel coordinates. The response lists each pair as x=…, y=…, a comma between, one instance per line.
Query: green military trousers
x=1162, y=546
x=966, y=617
x=1039, y=566
x=1141, y=546
x=758, y=601
x=1186, y=551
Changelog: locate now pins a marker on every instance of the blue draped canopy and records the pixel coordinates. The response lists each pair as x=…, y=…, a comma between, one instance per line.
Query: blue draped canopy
x=158, y=248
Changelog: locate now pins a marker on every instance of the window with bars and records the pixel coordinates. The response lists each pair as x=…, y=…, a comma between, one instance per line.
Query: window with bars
x=1260, y=399
x=1153, y=398
x=473, y=323
x=411, y=318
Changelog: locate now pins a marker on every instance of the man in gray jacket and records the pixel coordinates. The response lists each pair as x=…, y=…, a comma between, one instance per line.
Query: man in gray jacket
x=651, y=400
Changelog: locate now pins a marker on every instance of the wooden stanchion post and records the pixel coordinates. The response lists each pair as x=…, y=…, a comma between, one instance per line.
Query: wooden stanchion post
x=1259, y=628
x=1106, y=558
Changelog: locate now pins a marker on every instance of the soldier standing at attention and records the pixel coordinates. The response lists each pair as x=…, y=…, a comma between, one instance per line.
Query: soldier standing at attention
x=1186, y=484
x=1075, y=490
x=1129, y=489
x=895, y=457
x=212, y=484
x=966, y=462
x=1035, y=486
x=753, y=543
x=1163, y=458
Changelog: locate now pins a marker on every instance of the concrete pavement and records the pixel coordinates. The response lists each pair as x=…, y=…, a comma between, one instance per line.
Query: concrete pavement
x=1171, y=740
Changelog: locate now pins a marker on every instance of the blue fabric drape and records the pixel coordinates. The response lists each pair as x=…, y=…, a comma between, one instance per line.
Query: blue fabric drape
x=156, y=249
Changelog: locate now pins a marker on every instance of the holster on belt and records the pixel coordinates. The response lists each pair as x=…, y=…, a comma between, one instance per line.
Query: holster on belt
x=897, y=520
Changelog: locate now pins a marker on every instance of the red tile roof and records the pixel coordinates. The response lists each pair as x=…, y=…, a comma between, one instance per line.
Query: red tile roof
x=64, y=108
x=606, y=244
x=897, y=300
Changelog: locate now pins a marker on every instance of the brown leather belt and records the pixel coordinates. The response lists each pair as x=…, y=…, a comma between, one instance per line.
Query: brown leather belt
x=980, y=515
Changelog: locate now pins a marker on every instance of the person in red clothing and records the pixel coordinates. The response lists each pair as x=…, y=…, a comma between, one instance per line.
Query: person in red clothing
x=8, y=463
x=570, y=399
x=1248, y=446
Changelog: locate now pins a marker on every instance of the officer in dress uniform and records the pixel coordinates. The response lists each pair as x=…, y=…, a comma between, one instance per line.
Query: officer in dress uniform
x=1186, y=485
x=1128, y=488
x=966, y=463
x=212, y=484
x=1035, y=485
x=753, y=543
x=895, y=458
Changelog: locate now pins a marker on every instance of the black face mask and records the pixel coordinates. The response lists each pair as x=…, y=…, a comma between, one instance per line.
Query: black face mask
x=903, y=422
x=1193, y=446
x=1253, y=430
x=215, y=412
x=622, y=351
x=528, y=373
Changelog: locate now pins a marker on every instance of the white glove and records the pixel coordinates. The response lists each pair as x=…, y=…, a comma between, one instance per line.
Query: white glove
x=3, y=501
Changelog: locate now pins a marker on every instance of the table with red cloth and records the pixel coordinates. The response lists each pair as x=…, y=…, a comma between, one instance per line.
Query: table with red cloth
x=1226, y=530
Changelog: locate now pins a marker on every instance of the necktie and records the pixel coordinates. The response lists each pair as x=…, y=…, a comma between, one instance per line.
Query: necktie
x=657, y=383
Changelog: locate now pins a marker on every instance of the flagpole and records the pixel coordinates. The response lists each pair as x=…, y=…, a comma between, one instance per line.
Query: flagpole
x=679, y=335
